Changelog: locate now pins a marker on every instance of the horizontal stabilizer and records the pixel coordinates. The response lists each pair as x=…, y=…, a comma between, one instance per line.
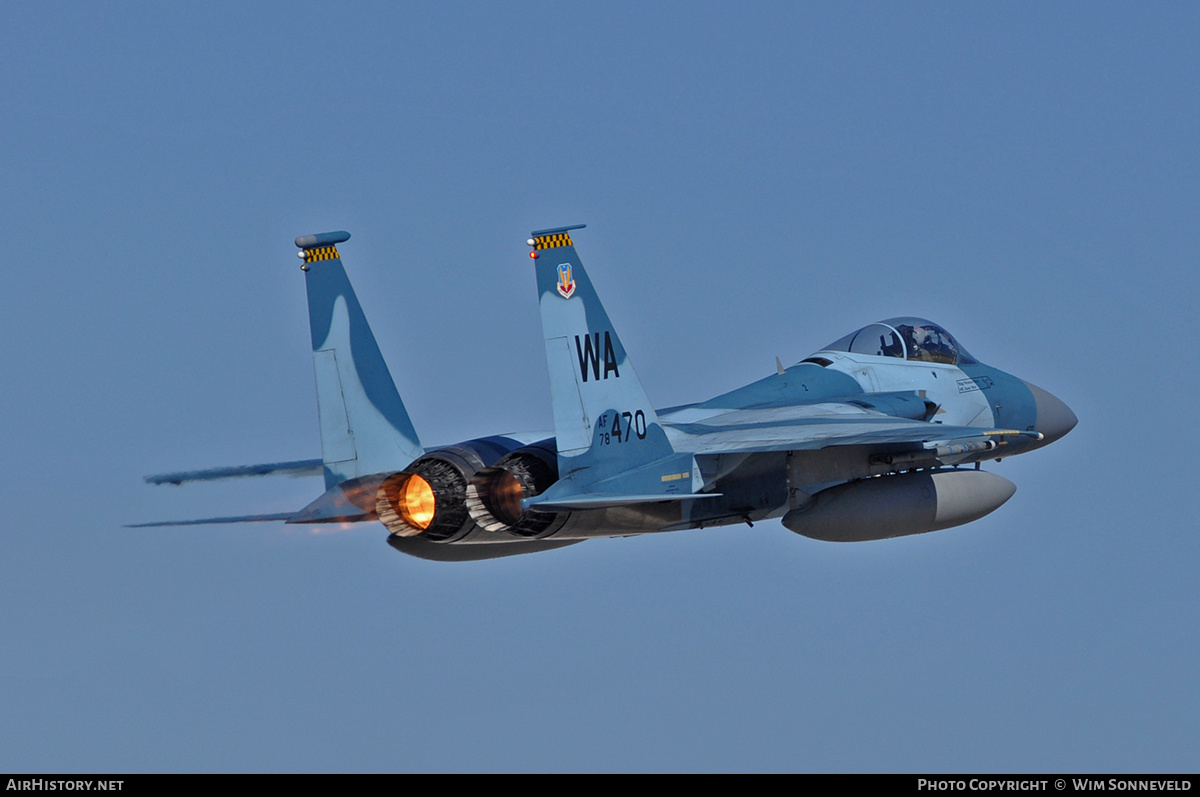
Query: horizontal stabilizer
x=300, y=467
x=209, y=520
x=348, y=502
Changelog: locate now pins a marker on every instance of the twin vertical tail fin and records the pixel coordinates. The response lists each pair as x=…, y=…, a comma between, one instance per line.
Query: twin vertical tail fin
x=365, y=428
x=603, y=421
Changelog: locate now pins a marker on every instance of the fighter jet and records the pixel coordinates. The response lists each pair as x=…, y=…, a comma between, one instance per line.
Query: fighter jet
x=879, y=434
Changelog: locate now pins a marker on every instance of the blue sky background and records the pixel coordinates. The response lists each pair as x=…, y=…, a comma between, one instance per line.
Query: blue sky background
x=758, y=179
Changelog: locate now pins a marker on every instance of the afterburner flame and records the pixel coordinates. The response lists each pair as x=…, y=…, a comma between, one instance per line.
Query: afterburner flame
x=419, y=503
x=506, y=494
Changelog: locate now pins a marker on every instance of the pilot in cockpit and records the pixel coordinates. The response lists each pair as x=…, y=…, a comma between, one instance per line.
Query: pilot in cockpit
x=894, y=348
x=927, y=344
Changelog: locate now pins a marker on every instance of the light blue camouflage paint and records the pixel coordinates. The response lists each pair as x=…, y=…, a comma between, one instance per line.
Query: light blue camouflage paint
x=365, y=428
x=829, y=444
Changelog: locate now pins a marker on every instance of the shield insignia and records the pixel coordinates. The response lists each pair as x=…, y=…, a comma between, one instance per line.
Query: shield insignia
x=566, y=283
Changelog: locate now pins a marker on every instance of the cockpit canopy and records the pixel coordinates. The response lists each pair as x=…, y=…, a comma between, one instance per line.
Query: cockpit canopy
x=906, y=338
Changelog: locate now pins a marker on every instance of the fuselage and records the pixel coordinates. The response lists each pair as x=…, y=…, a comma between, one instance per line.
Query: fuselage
x=946, y=387
x=856, y=386
x=865, y=439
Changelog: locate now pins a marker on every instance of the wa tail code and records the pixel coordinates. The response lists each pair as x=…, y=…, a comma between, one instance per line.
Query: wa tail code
x=588, y=352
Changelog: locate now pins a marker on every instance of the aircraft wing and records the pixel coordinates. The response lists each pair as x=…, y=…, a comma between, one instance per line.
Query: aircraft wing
x=778, y=430
x=809, y=427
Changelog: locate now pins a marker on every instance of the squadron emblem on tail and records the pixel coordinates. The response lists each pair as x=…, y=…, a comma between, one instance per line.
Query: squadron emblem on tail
x=566, y=283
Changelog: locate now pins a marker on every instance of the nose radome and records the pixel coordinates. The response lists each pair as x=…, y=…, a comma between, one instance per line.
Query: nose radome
x=1054, y=418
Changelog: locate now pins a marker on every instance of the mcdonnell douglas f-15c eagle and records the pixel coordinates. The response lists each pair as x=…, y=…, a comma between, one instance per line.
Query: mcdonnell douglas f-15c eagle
x=864, y=440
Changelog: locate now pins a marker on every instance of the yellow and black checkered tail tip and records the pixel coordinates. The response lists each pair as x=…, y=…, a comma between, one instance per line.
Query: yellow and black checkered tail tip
x=552, y=238
x=322, y=246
